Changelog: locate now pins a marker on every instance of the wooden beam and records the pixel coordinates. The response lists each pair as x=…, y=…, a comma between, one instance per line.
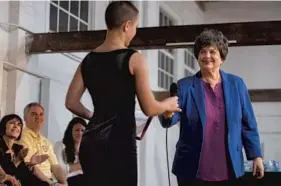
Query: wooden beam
x=265, y=95
x=257, y=95
x=243, y=33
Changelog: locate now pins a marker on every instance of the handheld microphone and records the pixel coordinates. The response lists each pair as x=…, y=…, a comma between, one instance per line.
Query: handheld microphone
x=173, y=89
x=173, y=92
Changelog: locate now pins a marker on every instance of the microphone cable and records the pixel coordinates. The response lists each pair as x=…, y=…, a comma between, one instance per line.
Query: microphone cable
x=167, y=156
x=173, y=92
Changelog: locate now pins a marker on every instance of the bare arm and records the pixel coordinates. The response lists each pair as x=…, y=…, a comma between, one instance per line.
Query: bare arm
x=38, y=173
x=75, y=167
x=74, y=94
x=59, y=173
x=149, y=105
x=6, y=177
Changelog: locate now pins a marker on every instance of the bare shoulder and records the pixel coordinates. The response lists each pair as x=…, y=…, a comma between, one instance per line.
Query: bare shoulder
x=137, y=57
x=137, y=62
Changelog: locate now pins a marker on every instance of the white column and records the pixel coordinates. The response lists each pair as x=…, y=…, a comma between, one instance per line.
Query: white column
x=1, y=87
x=12, y=57
x=45, y=102
x=23, y=14
x=98, y=15
x=147, y=171
x=150, y=19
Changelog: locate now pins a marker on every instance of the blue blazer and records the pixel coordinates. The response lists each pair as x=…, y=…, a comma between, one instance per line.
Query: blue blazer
x=240, y=120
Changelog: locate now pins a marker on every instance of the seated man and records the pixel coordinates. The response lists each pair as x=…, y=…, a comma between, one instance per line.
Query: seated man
x=36, y=143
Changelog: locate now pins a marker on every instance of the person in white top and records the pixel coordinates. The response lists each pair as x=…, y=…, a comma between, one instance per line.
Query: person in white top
x=67, y=151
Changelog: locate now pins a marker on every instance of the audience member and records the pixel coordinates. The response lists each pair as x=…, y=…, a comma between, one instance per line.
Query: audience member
x=36, y=142
x=67, y=151
x=14, y=171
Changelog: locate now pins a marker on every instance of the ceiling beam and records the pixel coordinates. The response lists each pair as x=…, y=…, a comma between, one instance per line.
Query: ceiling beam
x=256, y=95
x=243, y=34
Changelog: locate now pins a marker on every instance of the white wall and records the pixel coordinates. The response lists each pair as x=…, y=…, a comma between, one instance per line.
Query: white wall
x=235, y=11
x=258, y=65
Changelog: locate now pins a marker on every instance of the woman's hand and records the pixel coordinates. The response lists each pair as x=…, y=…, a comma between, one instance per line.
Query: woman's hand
x=22, y=154
x=171, y=104
x=12, y=180
x=37, y=159
x=75, y=167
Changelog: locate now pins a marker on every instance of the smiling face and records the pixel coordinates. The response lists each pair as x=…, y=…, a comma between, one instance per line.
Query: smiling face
x=209, y=58
x=77, y=132
x=13, y=128
x=210, y=50
x=35, y=118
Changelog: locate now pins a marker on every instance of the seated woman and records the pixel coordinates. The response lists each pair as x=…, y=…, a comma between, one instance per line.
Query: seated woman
x=8, y=179
x=67, y=151
x=14, y=171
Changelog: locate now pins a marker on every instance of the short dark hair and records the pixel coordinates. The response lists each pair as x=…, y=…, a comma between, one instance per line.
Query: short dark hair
x=5, y=120
x=211, y=37
x=117, y=12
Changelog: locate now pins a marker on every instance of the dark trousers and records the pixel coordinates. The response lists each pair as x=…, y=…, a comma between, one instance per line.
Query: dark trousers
x=232, y=180
x=206, y=183
x=31, y=180
x=75, y=180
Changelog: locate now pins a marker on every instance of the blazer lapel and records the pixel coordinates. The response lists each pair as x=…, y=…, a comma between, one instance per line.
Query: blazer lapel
x=228, y=90
x=198, y=96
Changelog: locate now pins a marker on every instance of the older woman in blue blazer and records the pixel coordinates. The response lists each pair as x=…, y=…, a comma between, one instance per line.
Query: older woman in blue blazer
x=217, y=119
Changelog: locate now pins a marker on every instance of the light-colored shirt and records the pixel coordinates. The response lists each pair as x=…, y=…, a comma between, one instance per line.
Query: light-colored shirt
x=38, y=143
x=59, y=149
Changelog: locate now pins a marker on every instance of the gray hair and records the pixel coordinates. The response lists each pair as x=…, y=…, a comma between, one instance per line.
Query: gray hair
x=28, y=107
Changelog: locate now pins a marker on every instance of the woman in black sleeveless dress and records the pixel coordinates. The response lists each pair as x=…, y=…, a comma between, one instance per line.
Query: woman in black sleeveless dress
x=113, y=75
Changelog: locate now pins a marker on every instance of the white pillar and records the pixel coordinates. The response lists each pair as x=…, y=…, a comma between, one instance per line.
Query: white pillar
x=98, y=15
x=22, y=14
x=1, y=87
x=150, y=19
x=12, y=57
x=147, y=173
x=45, y=102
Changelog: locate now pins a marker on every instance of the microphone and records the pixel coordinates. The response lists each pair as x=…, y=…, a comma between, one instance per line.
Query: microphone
x=173, y=89
x=173, y=92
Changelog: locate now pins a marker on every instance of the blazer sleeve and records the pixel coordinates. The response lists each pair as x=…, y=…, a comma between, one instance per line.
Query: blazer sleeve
x=250, y=134
x=59, y=152
x=168, y=122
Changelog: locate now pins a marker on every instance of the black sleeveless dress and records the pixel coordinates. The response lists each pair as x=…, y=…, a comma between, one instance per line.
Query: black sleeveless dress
x=108, y=152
